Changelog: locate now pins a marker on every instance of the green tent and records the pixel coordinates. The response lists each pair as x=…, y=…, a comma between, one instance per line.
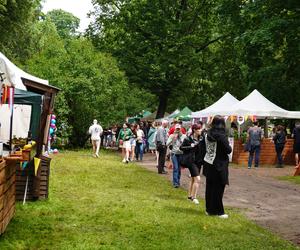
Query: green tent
x=35, y=100
x=151, y=117
x=139, y=116
x=184, y=114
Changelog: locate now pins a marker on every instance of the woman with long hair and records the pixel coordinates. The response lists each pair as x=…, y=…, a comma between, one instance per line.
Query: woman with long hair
x=193, y=160
x=216, y=163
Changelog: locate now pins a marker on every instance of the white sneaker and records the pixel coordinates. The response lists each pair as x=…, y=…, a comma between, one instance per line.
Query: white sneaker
x=223, y=216
x=97, y=155
x=124, y=160
x=195, y=201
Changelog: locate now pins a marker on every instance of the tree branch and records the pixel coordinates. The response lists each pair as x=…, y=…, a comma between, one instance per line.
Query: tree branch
x=205, y=45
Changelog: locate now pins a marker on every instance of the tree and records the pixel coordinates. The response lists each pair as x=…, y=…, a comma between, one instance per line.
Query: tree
x=158, y=43
x=65, y=22
x=16, y=19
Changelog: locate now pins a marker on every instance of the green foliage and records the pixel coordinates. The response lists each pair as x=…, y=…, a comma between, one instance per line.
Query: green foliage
x=157, y=43
x=100, y=204
x=65, y=22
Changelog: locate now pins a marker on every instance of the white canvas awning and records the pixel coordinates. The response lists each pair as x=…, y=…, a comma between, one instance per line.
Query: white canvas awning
x=220, y=107
x=13, y=75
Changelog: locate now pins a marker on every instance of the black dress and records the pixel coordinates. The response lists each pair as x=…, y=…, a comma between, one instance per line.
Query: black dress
x=217, y=172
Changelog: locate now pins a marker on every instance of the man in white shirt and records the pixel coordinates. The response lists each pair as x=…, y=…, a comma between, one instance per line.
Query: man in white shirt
x=96, y=131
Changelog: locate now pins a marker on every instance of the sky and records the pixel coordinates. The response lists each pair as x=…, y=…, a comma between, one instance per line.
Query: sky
x=78, y=8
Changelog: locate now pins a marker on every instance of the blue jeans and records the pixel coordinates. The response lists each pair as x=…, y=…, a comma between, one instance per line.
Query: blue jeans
x=139, y=150
x=256, y=150
x=176, y=169
x=279, y=148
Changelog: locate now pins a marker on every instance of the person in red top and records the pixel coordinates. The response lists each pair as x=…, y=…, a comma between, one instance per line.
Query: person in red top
x=172, y=129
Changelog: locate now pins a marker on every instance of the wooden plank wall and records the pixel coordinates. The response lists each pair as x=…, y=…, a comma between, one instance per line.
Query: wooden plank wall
x=7, y=193
x=267, y=153
x=38, y=186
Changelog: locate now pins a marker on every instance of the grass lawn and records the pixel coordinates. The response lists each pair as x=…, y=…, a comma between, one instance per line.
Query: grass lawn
x=293, y=179
x=104, y=204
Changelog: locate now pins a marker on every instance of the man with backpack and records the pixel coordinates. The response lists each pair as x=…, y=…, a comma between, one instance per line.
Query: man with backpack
x=254, y=137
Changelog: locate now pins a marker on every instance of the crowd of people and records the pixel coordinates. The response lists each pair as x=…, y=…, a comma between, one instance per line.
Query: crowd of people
x=195, y=148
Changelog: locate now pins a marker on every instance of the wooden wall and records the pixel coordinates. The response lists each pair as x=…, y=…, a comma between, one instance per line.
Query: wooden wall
x=267, y=153
x=38, y=186
x=7, y=192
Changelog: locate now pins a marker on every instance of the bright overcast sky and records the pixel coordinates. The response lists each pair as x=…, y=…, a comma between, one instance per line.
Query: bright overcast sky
x=78, y=8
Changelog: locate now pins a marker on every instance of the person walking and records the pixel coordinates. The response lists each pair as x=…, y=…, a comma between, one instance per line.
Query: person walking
x=161, y=145
x=123, y=141
x=193, y=159
x=139, y=143
x=254, y=137
x=279, y=140
x=216, y=163
x=174, y=142
x=296, y=146
x=133, y=128
x=95, y=131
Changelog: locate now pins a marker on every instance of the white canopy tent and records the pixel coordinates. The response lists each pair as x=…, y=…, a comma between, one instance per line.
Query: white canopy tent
x=13, y=75
x=258, y=105
x=220, y=107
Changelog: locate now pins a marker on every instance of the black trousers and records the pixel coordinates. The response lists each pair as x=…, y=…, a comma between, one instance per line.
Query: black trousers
x=162, y=150
x=214, y=192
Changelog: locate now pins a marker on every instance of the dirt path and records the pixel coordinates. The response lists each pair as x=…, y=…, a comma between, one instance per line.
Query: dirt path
x=269, y=202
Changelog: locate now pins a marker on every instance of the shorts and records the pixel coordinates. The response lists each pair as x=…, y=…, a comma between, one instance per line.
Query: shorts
x=296, y=148
x=127, y=145
x=132, y=142
x=194, y=170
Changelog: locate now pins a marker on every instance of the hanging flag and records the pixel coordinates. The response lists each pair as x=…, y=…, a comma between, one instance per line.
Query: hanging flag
x=246, y=117
x=225, y=117
x=255, y=118
x=23, y=164
x=37, y=162
x=231, y=118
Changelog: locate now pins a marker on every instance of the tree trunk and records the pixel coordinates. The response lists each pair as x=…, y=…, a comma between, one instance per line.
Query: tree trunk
x=163, y=101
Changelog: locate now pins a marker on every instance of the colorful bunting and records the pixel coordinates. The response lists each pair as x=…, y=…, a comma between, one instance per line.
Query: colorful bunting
x=37, y=162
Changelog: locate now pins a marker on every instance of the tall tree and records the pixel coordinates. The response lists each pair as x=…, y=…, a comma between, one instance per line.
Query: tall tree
x=158, y=43
x=65, y=22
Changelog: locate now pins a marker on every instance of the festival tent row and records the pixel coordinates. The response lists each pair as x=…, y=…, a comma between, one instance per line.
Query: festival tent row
x=138, y=117
x=152, y=116
x=255, y=104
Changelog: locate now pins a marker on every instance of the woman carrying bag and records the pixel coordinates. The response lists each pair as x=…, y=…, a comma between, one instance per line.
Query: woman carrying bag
x=192, y=159
x=216, y=163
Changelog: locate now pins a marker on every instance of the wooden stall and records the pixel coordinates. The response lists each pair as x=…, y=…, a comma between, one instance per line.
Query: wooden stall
x=7, y=191
x=267, y=153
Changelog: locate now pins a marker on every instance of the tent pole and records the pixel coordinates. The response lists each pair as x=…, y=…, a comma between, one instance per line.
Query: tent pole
x=266, y=128
x=11, y=119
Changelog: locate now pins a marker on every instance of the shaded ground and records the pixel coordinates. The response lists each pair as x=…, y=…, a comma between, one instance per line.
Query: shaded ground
x=271, y=203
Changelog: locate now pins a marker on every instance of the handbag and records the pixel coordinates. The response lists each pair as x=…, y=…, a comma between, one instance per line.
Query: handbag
x=247, y=146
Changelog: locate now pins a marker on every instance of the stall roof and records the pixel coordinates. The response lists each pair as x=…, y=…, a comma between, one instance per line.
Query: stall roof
x=220, y=107
x=13, y=75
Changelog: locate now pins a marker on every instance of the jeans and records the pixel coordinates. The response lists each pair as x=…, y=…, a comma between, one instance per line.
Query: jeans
x=139, y=151
x=279, y=148
x=176, y=169
x=254, y=149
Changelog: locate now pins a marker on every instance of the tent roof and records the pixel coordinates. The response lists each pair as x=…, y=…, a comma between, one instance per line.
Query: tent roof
x=184, y=112
x=169, y=117
x=256, y=104
x=14, y=75
x=151, y=117
x=220, y=107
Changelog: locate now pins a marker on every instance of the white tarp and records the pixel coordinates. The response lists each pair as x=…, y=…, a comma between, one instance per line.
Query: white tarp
x=13, y=75
x=256, y=104
x=21, y=121
x=220, y=107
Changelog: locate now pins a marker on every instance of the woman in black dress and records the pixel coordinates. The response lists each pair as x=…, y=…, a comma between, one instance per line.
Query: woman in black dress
x=216, y=167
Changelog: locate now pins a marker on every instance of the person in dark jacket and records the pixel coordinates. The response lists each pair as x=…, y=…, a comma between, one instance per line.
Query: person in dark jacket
x=216, y=167
x=296, y=146
x=193, y=160
x=279, y=140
